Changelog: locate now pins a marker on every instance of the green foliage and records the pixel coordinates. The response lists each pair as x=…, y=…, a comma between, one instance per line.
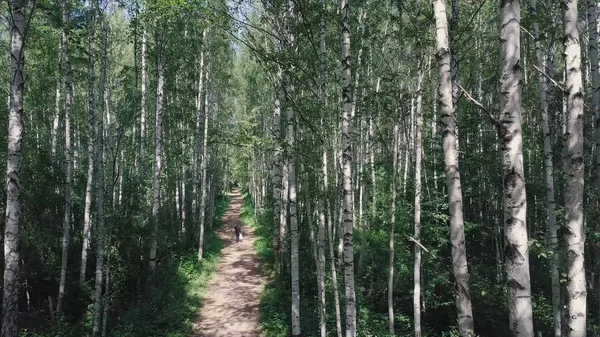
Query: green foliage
x=176, y=296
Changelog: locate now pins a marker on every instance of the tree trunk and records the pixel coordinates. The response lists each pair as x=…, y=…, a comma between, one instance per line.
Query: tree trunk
x=56, y=120
x=277, y=161
x=575, y=235
x=87, y=224
x=346, y=143
x=143, y=103
x=292, y=198
x=198, y=133
x=10, y=304
x=321, y=283
x=333, y=265
x=100, y=183
x=549, y=167
x=68, y=163
x=204, y=165
x=515, y=202
x=390, y=297
x=106, y=292
x=418, y=158
x=453, y=179
x=158, y=150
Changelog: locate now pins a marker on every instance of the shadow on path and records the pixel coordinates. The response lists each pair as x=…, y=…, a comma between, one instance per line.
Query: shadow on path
x=231, y=305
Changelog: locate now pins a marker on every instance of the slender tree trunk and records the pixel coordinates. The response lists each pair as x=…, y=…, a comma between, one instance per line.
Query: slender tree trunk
x=100, y=183
x=515, y=202
x=549, y=167
x=106, y=293
x=143, y=103
x=10, y=304
x=277, y=161
x=348, y=205
x=158, y=150
x=68, y=163
x=333, y=265
x=453, y=179
x=204, y=168
x=418, y=158
x=321, y=284
x=197, y=134
x=575, y=235
x=292, y=197
x=56, y=120
x=390, y=297
x=283, y=236
x=87, y=224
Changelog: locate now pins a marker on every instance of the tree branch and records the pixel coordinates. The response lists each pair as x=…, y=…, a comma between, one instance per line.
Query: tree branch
x=410, y=238
x=554, y=82
x=485, y=110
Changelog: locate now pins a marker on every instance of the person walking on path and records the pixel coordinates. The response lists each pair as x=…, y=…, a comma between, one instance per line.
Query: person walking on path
x=238, y=233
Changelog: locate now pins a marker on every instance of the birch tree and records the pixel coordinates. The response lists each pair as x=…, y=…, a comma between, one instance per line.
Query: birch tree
x=204, y=165
x=68, y=163
x=346, y=166
x=515, y=202
x=158, y=148
x=100, y=184
x=575, y=235
x=453, y=179
x=390, y=297
x=90, y=171
x=321, y=284
x=12, y=256
x=418, y=159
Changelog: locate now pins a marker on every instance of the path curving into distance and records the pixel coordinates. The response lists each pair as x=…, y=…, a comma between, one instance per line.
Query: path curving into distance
x=231, y=305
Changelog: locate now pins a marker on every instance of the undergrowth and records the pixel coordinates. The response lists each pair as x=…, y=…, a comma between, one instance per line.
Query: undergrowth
x=174, y=302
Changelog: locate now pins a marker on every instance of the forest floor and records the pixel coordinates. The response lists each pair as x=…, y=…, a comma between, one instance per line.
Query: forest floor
x=231, y=306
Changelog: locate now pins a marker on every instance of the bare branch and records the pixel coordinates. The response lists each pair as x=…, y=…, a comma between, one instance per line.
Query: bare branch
x=526, y=31
x=485, y=110
x=410, y=238
x=554, y=82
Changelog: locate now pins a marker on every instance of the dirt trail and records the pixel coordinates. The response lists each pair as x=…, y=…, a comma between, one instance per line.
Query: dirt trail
x=231, y=306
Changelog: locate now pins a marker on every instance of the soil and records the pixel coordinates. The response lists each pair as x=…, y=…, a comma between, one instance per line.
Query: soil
x=231, y=305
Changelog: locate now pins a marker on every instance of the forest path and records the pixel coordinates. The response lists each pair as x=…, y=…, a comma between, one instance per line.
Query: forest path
x=231, y=305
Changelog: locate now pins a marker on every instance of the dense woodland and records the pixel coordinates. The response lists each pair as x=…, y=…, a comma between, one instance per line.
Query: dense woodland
x=426, y=168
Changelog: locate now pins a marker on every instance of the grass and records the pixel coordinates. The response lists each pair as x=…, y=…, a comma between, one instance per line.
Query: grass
x=273, y=309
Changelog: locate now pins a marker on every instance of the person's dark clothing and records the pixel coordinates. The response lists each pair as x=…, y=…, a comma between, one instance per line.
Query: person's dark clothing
x=238, y=231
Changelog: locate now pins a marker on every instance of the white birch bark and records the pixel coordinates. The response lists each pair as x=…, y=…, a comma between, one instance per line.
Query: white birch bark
x=87, y=223
x=417, y=235
x=346, y=147
x=453, y=179
x=390, y=290
x=292, y=197
x=10, y=304
x=57, y=102
x=321, y=284
x=277, y=163
x=332, y=259
x=158, y=151
x=204, y=166
x=575, y=235
x=515, y=202
x=143, y=103
x=68, y=163
x=100, y=184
